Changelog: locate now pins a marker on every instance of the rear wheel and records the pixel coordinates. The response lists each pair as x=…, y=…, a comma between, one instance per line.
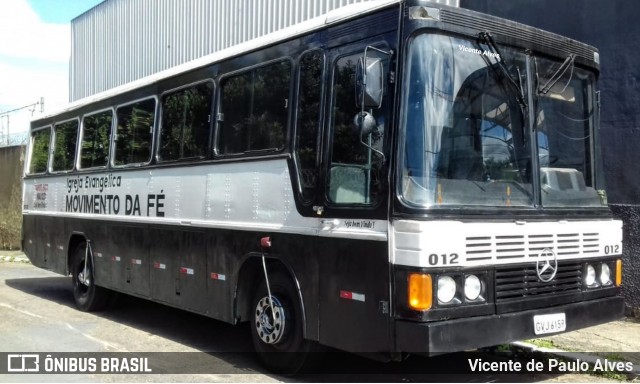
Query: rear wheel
x=277, y=333
x=87, y=296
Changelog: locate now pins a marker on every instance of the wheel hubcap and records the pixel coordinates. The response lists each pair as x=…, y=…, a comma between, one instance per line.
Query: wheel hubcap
x=270, y=325
x=84, y=279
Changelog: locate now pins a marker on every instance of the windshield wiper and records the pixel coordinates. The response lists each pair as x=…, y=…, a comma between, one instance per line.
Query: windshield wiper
x=568, y=62
x=489, y=42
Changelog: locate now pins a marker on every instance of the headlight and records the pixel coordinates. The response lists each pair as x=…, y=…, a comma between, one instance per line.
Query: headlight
x=605, y=274
x=590, y=277
x=446, y=289
x=472, y=287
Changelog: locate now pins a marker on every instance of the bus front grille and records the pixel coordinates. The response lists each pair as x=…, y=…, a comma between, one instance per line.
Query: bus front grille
x=513, y=248
x=518, y=282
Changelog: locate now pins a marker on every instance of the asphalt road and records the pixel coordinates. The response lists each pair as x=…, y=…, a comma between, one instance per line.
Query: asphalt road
x=37, y=314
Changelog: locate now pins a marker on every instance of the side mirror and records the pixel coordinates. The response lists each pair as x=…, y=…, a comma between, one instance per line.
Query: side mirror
x=369, y=82
x=365, y=123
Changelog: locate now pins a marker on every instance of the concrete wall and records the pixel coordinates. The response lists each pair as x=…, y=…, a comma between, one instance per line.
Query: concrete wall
x=613, y=28
x=11, y=166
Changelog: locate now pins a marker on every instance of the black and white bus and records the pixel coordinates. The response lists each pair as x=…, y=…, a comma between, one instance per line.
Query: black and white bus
x=393, y=177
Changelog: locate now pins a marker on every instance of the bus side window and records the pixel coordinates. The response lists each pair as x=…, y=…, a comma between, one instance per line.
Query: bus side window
x=255, y=110
x=40, y=142
x=354, y=170
x=96, y=133
x=185, y=123
x=64, y=146
x=308, y=121
x=134, y=132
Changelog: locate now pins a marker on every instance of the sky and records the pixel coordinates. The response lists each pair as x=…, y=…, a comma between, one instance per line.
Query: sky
x=35, y=46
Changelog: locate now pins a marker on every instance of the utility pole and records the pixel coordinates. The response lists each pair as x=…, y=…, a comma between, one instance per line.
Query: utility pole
x=1, y=128
x=32, y=107
x=7, y=130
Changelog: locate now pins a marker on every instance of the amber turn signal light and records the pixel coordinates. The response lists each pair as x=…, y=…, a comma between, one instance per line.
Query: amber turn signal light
x=618, y=273
x=420, y=291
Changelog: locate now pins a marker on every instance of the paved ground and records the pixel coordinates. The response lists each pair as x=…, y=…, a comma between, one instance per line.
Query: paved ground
x=614, y=341
x=37, y=314
x=618, y=337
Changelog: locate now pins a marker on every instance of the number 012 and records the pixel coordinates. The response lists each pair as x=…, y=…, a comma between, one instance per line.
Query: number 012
x=444, y=259
x=609, y=249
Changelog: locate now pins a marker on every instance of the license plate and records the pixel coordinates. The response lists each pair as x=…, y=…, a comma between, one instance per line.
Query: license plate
x=552, y=323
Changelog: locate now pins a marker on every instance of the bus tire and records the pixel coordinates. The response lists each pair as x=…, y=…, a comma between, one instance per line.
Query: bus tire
x=281, y=348
x=88, y=297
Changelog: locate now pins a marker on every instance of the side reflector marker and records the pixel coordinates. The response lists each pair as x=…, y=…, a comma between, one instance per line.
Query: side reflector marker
x=157, y=265
x=352, y=296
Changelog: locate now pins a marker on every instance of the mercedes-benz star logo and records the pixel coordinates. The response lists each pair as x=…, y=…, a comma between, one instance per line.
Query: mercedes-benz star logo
x=547, y=265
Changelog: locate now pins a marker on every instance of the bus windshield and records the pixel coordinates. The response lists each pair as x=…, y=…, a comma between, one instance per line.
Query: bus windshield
x=565, y=120
x=467, y=140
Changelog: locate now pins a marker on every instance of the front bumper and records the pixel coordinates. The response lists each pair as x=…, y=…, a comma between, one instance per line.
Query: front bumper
x=483, y=331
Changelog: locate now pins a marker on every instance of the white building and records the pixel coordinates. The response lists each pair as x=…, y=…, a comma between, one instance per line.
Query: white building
x=119, y=41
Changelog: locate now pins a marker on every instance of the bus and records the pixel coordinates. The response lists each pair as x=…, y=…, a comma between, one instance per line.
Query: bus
x=396, y=177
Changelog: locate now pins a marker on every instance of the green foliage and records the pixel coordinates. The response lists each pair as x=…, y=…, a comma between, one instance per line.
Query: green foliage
x=186, y=122
x=64, y=149
x=346, y=148
x=135, y=132
x=503, y=348
x=543, y=343
x=255, y=105
x=94, y=150
x=11, y=201
x=10, y=227
x=41, y=140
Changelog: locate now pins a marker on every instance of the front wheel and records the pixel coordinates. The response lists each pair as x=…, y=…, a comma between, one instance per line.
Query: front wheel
x=276, y=327
x=87, y=296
